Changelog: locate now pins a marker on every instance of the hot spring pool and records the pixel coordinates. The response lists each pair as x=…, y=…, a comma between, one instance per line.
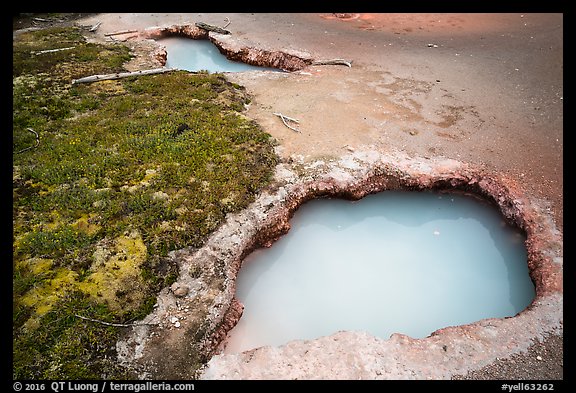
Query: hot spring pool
x=392, y=262
x=196, y=55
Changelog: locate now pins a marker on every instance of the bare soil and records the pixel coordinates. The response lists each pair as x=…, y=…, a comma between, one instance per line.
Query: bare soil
x=480, y=88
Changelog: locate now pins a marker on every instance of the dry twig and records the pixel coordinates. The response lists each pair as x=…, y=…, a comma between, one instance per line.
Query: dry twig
x=95, y=27
x=52, y=50
x=114, y=324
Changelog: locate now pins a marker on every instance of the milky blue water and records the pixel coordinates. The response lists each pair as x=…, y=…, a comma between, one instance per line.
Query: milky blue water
x=197, y=55
x=406, y=262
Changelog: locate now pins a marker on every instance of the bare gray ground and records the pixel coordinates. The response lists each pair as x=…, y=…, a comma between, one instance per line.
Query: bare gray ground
x=480, y=88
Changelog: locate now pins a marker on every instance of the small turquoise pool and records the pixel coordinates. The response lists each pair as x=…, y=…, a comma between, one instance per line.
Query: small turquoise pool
x=197, y=55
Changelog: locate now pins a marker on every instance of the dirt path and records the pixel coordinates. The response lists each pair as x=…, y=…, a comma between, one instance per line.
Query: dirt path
x=479, y=88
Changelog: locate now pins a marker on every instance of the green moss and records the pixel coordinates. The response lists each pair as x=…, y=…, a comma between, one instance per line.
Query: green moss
x=81, y=58
x=63, y=346
x=125, y=172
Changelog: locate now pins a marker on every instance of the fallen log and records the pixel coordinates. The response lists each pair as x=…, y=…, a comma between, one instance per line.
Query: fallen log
x=333, y=62
x=119, y=75
x=208, y=27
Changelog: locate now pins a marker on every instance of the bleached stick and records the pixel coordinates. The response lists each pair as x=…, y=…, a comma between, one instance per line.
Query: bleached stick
x=119, y=75
x=333, y=62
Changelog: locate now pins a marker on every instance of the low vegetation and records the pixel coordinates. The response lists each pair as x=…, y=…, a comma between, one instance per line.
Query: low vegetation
x=123, y=172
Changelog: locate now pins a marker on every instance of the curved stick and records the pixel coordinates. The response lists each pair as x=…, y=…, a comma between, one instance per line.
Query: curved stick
x=31, y=147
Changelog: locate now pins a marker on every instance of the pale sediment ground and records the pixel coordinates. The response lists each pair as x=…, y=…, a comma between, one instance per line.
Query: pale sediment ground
x=488, y=91
x=480, y=88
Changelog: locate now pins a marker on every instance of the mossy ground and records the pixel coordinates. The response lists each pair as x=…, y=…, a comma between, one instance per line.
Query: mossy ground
x=125, y=171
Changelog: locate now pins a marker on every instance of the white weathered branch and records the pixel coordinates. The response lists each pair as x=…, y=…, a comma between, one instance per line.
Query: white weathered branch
x=113, y=324
x=333, y=62
x=34, y=20
x=120, y=32
x=119, y=75
x=52, y=50
x=95, y=27
x=227, y=23
x=284, y=118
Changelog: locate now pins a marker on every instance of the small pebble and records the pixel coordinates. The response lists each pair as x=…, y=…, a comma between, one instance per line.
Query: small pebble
x=177, y=324
x=179, y=290
x=538, y=357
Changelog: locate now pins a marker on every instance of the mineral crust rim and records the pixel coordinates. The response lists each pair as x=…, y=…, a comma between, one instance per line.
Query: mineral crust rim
x=351, y=355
